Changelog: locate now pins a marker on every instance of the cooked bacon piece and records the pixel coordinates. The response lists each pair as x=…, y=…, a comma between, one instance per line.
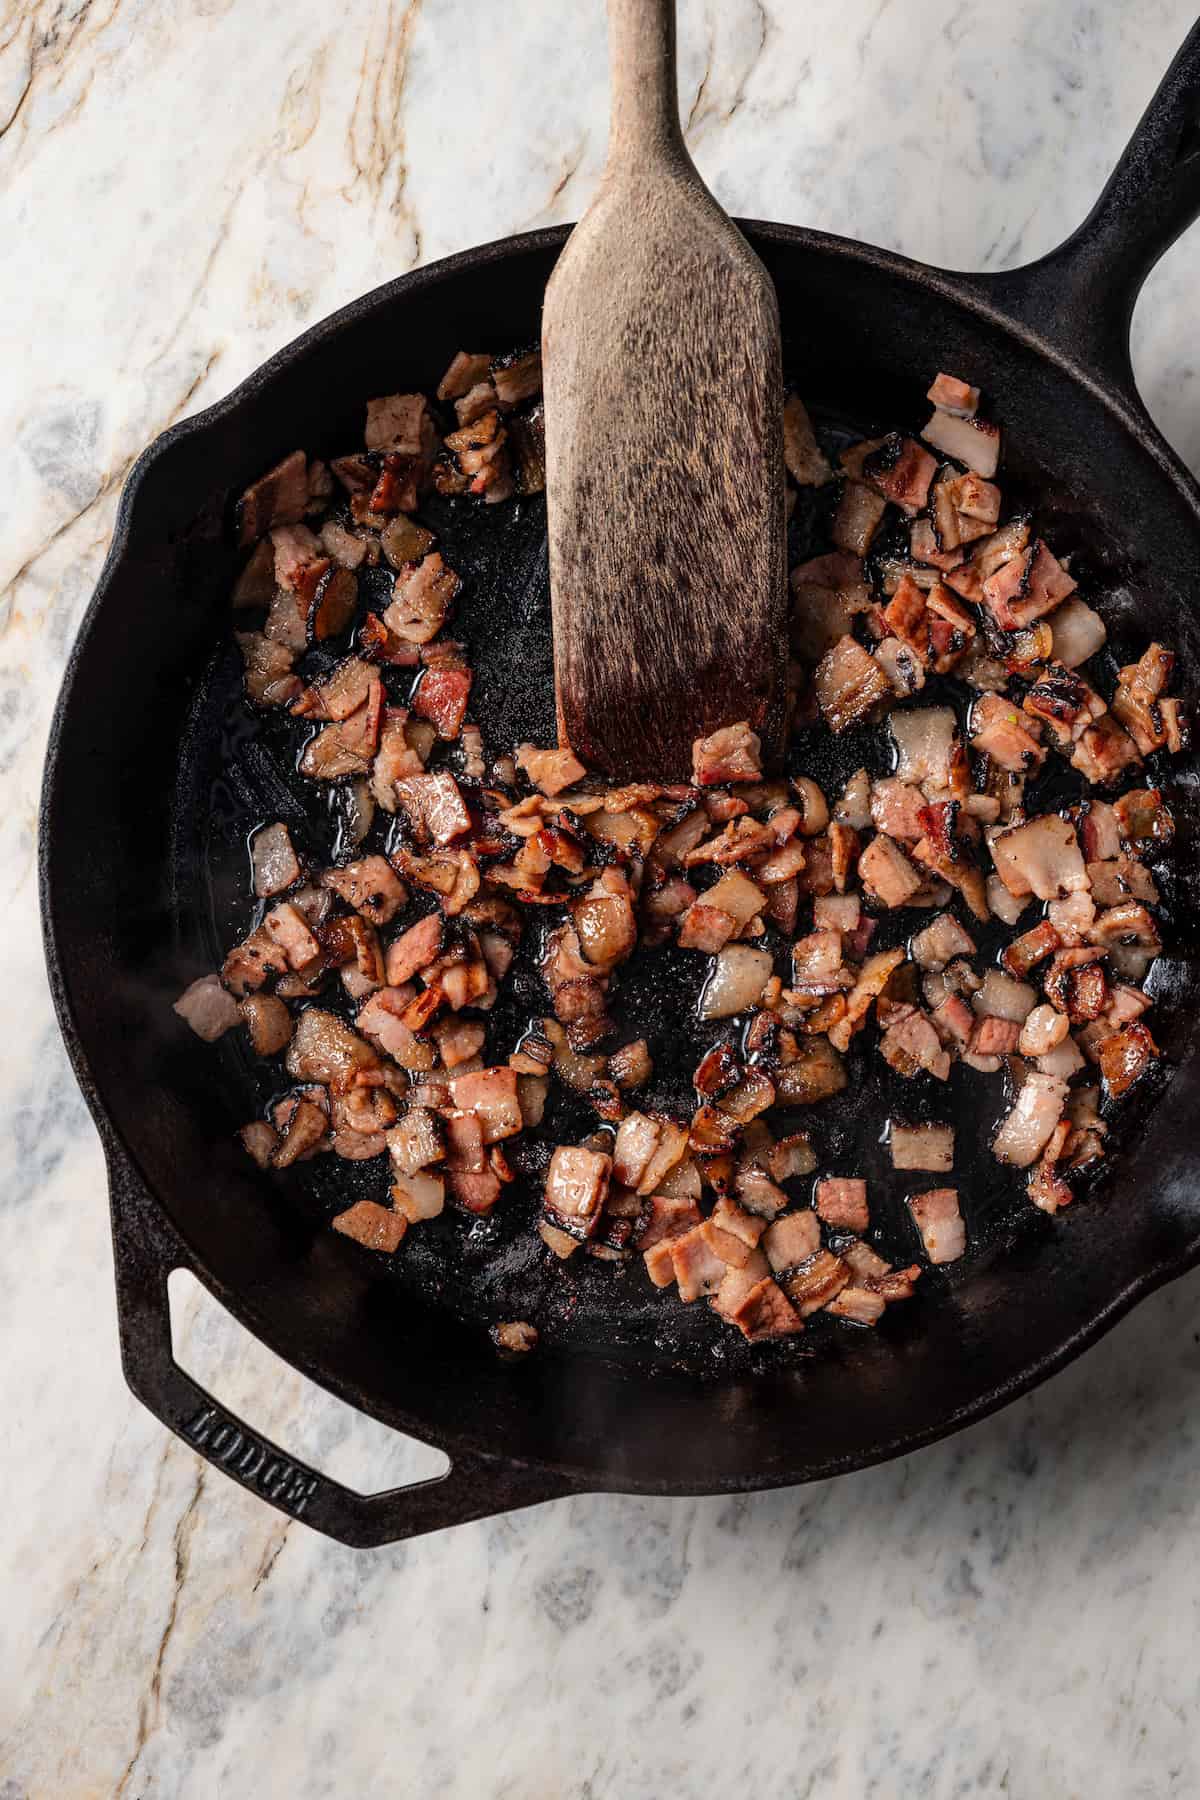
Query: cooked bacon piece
x=998, y=730
x=577, y=1188
x=491, y=1095
x=1128, y=924
x=303, y=1124
x=434, y=805
x=1026, y=587
x=325, y=1049
x=816, y=1282
x=1041, y=858
x=519, y=379
x=912, y=1045
x=953, y=1020
x=873, y=977
x=972, y=441
x=631, y=1066
x=1136, y=703
x=886, y=872
x=929, y=1147
x=467, y=368
x=1143, y=818
x=953, y=396
x=441, y=697
x=994, y=1037
x=806, y=463
x=940, y=942
x=422, y=595
x=926, y=739
x=861, y=1305
x=371, y=887
x=791, y=1240
x=849, y=684
x=698, y=1268
x=208, y=1008
x=857, y=517
x=1077, y=633
x=280, y=497
x=268, y=1022
x=607, y=930
x=1064, y=703
x=252, y=962
x=843, y=1204
x=1124, y=1056
x=937, y=1217
x=289, y=930
x=732, y=754
x=1028, y=950
x=738, y=977
x=766, y=1312
x=1103, y=751
x=896, y=808
x=260, y=1141
x=1027, y=1128
x=902, y=470
x=270, y=678
x=373, y=1225
x=550, y=770
x=1043, y=1031
x=666, y=1216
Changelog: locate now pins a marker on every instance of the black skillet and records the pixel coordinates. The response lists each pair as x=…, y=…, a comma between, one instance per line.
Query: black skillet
x=136, y=873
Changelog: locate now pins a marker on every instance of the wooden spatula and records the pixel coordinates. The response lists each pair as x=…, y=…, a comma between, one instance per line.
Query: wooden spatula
x=664, y=446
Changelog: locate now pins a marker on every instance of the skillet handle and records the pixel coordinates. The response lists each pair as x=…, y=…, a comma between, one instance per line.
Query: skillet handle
x=1081, y=296
x=146, y=1250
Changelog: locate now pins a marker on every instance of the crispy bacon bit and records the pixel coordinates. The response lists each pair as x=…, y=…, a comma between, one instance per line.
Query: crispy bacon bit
x=886, y=872
x=950, y=395
x=902, y=470
x=843, y=1204
x=373, y=1225
x=434, y=805
x=912, y=1045
x=816, y=1282
x=857, y=517
x=732, y=754
x=849, y=684
x=1041, y=858
x=1103, y=751
x=999, y=730
x=766, y=1312
x=576, y=1189
x=280, y=497
x=937, y=1217
x=968, y=440
x=422, y=595
x=550, y=770
x=208, y=1008
x=940, y=942
x=806, y=463
x=1125, y=1056
x=929, y=1147
x=1026, y=1131
x=304, y=1124
x=1143, y=818
x=791, y=1240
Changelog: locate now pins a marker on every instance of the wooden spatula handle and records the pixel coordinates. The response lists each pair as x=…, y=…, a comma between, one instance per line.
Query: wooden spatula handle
x=644, y=94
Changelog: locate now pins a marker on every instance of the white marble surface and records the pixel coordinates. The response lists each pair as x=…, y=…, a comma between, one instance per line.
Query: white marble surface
x=184, y=184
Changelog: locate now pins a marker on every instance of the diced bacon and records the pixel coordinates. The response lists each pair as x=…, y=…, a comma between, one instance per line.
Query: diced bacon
x=856, y=519
x=1042, y=858
x=1027, y=1128
x=912, y=1045
x=837, y=912
x=806, y=463
x=289, y=930
x=1043, y=1031
x=638, y=1137
x=373, y=1225
x=304, y=1123
x=371, y=887
x=441, y=697
x=861, y=1305
x=1077, y=633
x=208, y=1008
x=491, y=1094
x=994, y=1037
x=791, y=1239
x=1103, y=751
x=816, y=1282
x=1025, y=952
x=937, y=1217
x=1000, y=730
x=886, y=872
x=422, y=595
x=972, y=441
x=940, y=942
x=953, y=1019
x=435, y=805
x=550, y=771
x=817, y=962
x=849, y=684
x=401, y=423
x=896, y=808
x=766, y=1313
x=1063, y=703
x=873, y=977
x=843, y=1204
x=577, y=1188
x=953, y=396
x=664, y=1217
x=660, y=1264
x=1124, y=1056
x=698, y=1268
x=902, y=470
x=465, y=370
x=277, y=498
x=926, y=739
x=929, y=1147
x=705, y=928
x=414, y=949
x=732, y=754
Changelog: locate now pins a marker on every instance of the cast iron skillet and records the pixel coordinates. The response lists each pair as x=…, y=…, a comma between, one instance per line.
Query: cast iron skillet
x=130, y=917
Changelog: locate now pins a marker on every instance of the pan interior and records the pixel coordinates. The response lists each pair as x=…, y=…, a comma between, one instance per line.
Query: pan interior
x=149, y=877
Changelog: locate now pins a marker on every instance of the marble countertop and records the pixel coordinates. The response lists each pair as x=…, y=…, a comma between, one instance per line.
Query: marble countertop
x=183, y=188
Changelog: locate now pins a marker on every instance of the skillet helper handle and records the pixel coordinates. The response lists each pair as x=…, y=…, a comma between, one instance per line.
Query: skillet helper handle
x=146, y=1250
x=644, y=124
x=1082, y=295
